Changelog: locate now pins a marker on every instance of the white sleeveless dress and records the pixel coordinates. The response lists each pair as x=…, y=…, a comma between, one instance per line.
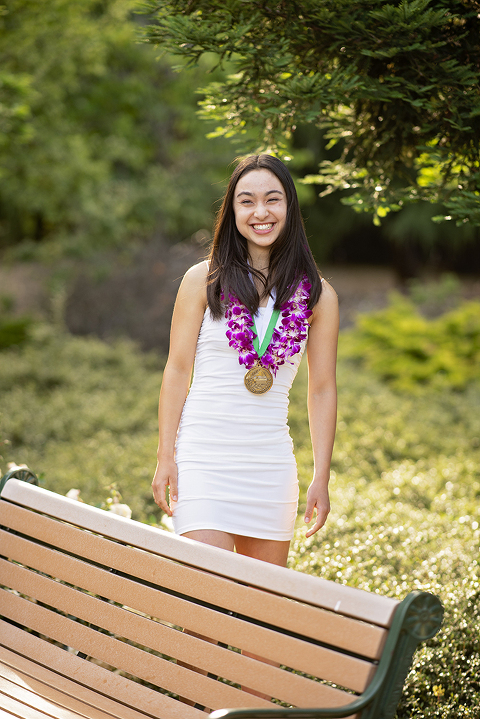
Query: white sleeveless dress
x=236, y=468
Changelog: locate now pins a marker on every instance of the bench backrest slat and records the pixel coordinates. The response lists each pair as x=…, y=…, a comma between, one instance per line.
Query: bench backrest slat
x=148, y=667
x=346, y=601
x=126, y=657
x=315, y=660
x=188, y=620
x=326, y=627
x=29, y=693
x=91, y=603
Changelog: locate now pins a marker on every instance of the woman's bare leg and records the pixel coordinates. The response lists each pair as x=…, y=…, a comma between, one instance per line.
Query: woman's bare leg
x=223, y=540
x=213, y=537
x=267, y=550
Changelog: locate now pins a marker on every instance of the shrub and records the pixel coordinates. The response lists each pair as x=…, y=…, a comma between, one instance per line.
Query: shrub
x=393, y=550
x=405, y=515
x=82, y=413
x=405, y=481
x=13, y=331
x=435, y=297
x=409, y=351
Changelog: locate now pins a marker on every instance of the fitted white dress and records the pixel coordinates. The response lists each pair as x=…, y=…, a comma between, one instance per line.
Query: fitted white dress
x=236, y=468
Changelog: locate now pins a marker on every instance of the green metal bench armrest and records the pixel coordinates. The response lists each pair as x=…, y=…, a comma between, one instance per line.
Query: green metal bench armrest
x=23, y=473
x=416, y=619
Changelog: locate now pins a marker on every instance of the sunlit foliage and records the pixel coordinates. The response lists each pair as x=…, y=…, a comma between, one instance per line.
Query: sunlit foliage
x=394, y=85
x=410, y=351
x=405, y=483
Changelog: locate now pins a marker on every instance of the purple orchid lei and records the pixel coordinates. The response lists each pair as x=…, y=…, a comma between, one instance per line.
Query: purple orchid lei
x=286, y=341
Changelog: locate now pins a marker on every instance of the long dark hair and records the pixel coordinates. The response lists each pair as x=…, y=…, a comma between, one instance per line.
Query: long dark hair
x=290, y=255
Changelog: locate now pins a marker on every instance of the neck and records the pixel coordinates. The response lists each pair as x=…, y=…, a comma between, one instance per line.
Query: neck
x=259, y=261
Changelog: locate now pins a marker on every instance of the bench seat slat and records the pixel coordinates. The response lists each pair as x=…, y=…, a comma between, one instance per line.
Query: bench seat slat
x=72, y=674
x=332, y=666
x=47, y=691
x=34, y=700
x=19, y=709
x=327, y=627
x=345, y=600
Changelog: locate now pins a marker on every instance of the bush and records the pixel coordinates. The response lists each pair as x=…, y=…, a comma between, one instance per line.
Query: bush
x=405, y=482
x=82, y=414
x=409, y=351
x=13, y=331
x=392, y=550
x=405, y=515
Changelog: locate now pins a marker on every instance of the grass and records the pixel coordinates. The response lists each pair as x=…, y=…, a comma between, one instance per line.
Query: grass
x=405, y=482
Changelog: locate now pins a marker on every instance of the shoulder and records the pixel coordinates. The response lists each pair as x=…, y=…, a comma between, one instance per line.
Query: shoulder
x=327, y=302
x=328, y=292
x=194, y=283
x=197, y=274
x=324, y=327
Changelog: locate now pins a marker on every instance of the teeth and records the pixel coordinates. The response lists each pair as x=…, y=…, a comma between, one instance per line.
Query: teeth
x=264, y=227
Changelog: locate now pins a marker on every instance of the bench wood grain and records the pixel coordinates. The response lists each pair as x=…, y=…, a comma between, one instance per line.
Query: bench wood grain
x=100, y=617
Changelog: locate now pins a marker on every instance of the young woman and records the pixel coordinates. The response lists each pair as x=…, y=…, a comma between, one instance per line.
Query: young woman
x=244, y=318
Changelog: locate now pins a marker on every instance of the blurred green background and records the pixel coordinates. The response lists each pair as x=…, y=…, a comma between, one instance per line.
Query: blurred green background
x=108, y=187
x=108, y=183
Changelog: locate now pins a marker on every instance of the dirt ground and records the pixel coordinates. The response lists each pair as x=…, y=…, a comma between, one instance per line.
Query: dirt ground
x=136, y=300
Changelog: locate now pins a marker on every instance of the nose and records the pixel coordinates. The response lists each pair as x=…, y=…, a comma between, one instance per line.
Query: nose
x=261, y=211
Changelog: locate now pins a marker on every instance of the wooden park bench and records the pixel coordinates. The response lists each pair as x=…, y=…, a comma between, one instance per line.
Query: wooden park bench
x=101, y=617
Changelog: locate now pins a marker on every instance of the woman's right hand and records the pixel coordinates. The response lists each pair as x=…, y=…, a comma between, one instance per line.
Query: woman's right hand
x=165, y=476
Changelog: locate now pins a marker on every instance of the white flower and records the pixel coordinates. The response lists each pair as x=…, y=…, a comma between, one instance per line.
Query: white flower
x=73, y=494
x=123, y=510
x=167, y=523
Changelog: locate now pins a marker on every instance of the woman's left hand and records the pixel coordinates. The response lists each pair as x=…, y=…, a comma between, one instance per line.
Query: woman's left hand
x=319, y=502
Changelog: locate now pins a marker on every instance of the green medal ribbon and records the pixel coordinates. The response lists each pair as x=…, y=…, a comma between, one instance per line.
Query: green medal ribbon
x=260, y=350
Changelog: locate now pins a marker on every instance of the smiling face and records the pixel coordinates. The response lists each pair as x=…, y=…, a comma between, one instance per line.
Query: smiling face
x=260, y=208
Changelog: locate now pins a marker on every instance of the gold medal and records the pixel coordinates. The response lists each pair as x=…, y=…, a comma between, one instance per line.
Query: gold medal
x=258, y=379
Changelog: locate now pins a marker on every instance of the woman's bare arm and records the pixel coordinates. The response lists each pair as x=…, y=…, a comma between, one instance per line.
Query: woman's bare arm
x=322, y=401
x=186, y=322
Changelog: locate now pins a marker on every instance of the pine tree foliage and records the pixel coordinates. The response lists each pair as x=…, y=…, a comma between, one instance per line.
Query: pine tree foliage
x=395, y=85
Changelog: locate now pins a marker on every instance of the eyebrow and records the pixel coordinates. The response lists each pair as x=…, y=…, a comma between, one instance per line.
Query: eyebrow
x=251, y=194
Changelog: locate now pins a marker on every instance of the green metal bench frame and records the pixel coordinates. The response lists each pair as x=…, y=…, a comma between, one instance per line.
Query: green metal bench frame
x=417, y=619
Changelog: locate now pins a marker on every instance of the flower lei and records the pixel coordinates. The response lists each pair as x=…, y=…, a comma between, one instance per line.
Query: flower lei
x=284, y=344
